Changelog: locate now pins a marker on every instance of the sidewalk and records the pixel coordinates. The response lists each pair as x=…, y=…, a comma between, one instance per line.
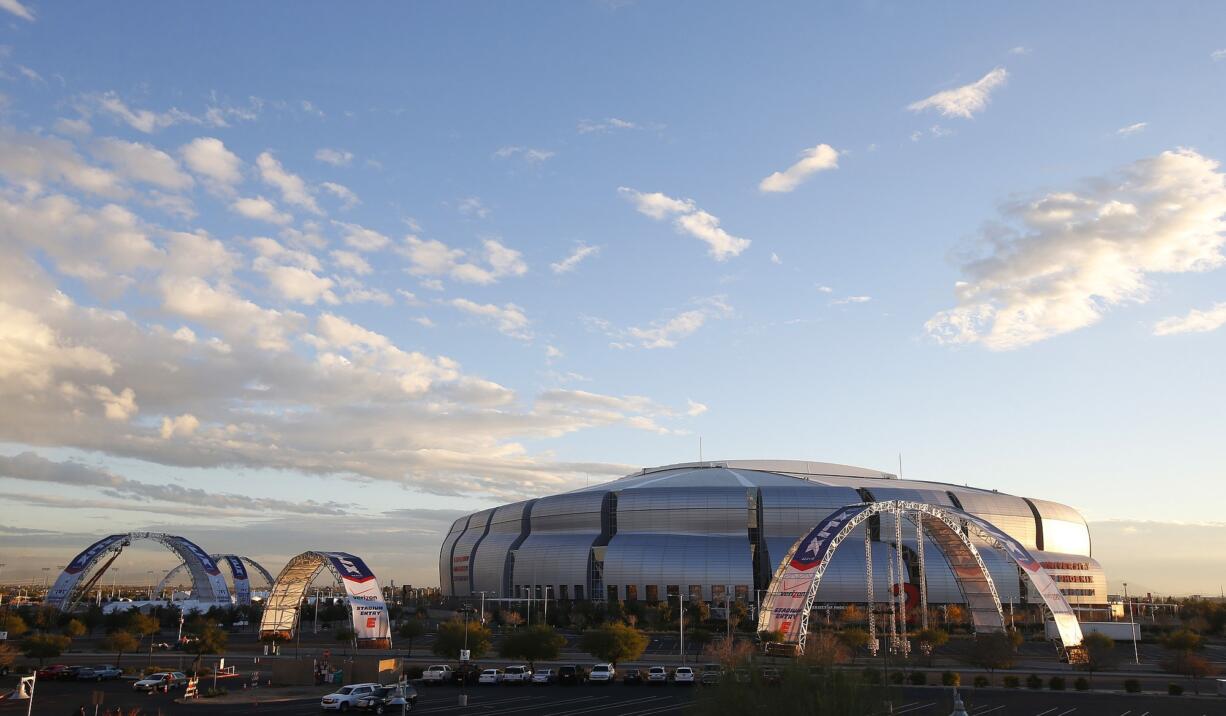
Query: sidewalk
x=264, y=695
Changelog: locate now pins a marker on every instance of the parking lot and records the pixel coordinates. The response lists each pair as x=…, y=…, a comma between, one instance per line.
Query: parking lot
x=58, y=698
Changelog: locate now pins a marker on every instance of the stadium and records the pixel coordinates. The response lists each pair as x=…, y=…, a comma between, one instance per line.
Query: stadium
x=717, y=530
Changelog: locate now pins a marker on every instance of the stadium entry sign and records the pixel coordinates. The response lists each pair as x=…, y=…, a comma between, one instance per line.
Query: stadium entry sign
x=371, y=623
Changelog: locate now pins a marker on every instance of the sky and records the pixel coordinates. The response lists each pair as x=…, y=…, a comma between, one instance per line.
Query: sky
x=280, y=278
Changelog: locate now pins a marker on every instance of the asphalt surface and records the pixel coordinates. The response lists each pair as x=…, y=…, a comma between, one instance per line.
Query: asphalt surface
x=61, y=698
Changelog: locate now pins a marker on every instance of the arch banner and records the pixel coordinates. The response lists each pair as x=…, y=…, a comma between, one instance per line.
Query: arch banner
x=791, y=586
x=67, y=581
x=370, y=617
x=242, y=583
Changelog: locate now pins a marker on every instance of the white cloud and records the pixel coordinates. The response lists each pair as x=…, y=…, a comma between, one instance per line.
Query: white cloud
x=183, y=426
x=966, y=100
x=1218, y=55
x=350, y=261
x=1068, y=257
x=851, y=299
x=208, y=157
x=528, y=154
x=342, y=192
x=694, y=409
x=825, y=289
x=72, y=127
x=294, y=283
x=30, y=74
x=509, y=318
x=472, y=206
x=430, y=257
x=142, y=120
x=688, y=219
x=423, y=321
x=1131, y=129
x=775, y=259
x=293, y=189
x=822, y=157
x=362, y=238
x=28, y=157
x=1197, y=321
x=666, y=334
x=16, y=8
x=552, y=353
x=261, y=209
x=568, y=264
x=335, y=157
x=1019, y=50
x=141, y=162
x=587, y=126
x=116, y=406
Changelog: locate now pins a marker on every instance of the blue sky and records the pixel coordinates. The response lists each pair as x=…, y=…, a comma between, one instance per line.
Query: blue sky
x=326, y=251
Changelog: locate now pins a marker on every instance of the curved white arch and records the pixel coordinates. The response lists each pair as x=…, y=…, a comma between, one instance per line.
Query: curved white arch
x=207, y=581
x=238, y=572
x=793, y=588
x=371, y=623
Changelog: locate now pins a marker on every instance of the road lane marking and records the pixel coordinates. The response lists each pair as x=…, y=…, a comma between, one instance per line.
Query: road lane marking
x=1066, y=713
x=1047, y=711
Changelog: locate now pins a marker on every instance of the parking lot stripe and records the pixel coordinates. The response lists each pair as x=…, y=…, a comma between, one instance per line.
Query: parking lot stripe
x=622, y=704
x=1066, y=713
x=656, y=710
x=534, y=702
x=916, y=706
x=994, y=708
x=1126, y=712
x=1041, y=713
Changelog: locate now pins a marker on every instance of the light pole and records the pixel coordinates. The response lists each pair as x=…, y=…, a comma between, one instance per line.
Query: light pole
x=315, y=628
x=681, y=613
x=45, y=571
x=150, y=573
x=2, y=566
x=1136, y=656
x=545, y=617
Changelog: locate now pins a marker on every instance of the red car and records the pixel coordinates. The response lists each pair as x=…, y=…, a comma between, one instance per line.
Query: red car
x=55, y=671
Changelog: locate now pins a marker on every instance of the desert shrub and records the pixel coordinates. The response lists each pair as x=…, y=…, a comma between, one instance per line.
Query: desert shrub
x=950, y=678
x=1132, y=686
x=214, y=693
x=1056, y=683
x=872, y=676
x=896, y=677
x=1174, y=689
x=982, y=682
x=1081, y=684
x=1012, y=682
x=1034, y=682
x=918, y=678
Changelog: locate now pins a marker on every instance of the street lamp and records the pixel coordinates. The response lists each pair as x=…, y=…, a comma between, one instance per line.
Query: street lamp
x=681, y=612
x=1136, y=656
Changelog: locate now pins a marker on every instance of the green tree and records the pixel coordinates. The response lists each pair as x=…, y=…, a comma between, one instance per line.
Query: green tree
x=1184, y=660
x=992, y=651
x=737, y=613
x=120, y=642
x=930, y=640
x=144, y=625
x=450, y=639
x=345, y=636
x=536, y=643
x=855, y=639
x=7, y=655
x=44, y=646
x=93, y=618
x=1100, y=653
x=74, y=629
x=770, y=635
x=697, y=639
x=614, y=642
x=209, y=639
x=13, y=624
x=411, y=629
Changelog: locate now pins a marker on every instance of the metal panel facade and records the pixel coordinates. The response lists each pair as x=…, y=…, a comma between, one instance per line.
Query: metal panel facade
x=490, y=564
x=557, y=551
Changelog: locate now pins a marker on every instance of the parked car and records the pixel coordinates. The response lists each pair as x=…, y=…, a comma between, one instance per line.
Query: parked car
x=161, y=681
x=602, y=674
x=52, y=672
x=437, y=674
x=544, y=676
x=466, y=674
x=772, y=676
x=572, y=675
x=347, y=697
x=393, y=699
x=742, y=676
x=683, y=675
x=711, y=674
x=101, y=672
x=516, y=675
x=490, y=676
x=657, y=675
x=72, y=672
x=634, y=677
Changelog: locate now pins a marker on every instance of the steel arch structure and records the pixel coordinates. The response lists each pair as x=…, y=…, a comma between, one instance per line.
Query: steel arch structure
x=371, y=623
x=207, y=581
x=793, y=589
x=238, y=572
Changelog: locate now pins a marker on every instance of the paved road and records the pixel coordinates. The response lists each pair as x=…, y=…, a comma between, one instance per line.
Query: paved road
x=61, y=698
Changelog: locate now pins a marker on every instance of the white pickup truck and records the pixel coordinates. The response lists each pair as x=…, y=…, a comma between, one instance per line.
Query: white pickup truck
x=437, y=674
